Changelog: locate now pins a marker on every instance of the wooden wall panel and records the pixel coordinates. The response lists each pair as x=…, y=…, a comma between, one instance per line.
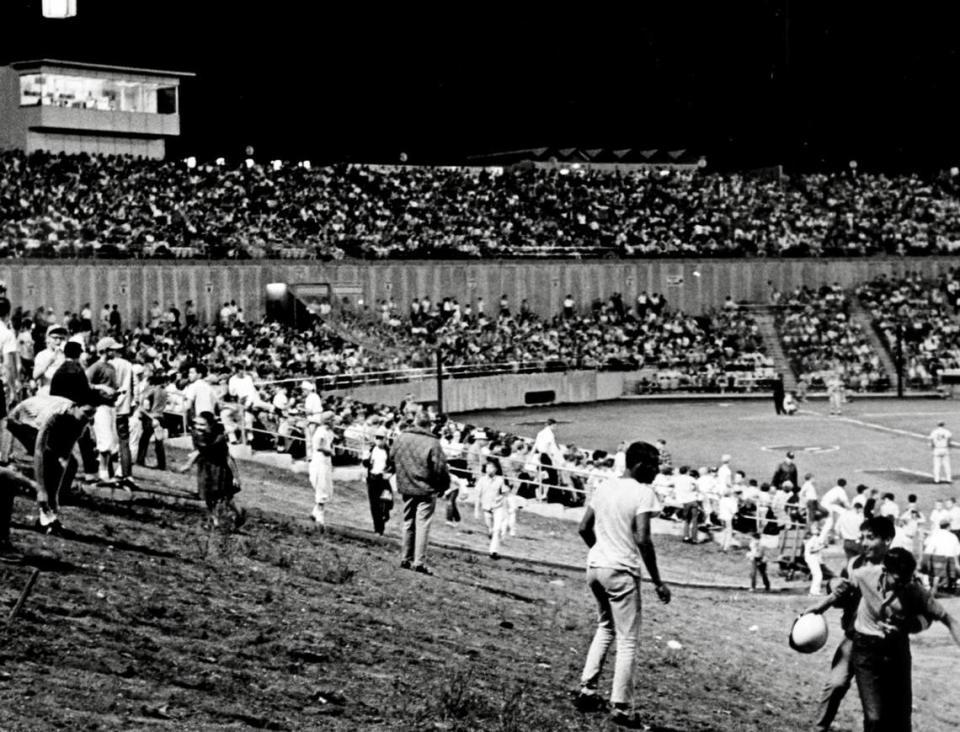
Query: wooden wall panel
x=134, y=286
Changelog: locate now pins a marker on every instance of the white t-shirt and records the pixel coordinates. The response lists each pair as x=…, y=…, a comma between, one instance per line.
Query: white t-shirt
x=835, y=498
x=615, y=503
x=808, y=491
x=684, y=488
x=8, y=345
x=201, y=395
x=942, y=543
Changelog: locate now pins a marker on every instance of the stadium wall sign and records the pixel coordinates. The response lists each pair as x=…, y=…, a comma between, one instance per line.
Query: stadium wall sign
x=810, y=449
x=68, y=284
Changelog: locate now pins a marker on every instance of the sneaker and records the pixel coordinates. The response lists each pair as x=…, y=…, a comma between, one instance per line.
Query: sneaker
x=47, y=518
x=128, y=484
x=625, y=718
x=587, y=701
x=423, y=569
x=405, y=564
x=494, y=555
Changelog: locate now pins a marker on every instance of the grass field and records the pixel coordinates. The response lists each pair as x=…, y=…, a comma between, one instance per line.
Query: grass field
x=141, y=619
x=879, y=442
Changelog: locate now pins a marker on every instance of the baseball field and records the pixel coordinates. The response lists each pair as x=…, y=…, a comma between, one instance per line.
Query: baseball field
x=142, y=619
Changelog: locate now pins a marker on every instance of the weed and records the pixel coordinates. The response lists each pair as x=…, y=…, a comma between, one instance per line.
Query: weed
x=456, y=699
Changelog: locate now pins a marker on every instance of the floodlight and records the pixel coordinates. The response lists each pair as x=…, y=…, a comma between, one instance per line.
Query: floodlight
x=59, y=9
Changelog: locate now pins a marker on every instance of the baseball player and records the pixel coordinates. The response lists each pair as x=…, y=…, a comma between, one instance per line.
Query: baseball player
x=940, y=442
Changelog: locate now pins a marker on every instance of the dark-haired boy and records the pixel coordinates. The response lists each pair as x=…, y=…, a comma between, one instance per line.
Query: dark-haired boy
x=891, y=604
x=616, y=527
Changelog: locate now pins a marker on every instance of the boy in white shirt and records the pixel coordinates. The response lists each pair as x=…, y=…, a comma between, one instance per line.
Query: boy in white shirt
x=616, y=527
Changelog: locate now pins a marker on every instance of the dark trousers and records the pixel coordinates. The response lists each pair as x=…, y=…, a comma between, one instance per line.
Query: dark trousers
x=144, y=444
x=379, y=508
x=453, y=513
x=882, y=667
x=88, y=452
x=837, y=685
x=123, y=435
x=759, y=567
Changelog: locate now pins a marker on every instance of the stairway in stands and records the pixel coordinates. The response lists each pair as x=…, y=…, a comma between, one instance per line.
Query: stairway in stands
x=765, y=321
x=859, y=315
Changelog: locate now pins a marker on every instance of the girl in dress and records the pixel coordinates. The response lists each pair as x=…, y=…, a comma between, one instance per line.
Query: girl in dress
x=216, y=484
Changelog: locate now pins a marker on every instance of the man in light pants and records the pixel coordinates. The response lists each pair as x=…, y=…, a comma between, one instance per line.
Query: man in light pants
x=616, y=527
x=940, y=442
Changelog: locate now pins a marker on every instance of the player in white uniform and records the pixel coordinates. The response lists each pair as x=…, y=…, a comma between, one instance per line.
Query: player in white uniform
x=321, y=466
x=940, y=442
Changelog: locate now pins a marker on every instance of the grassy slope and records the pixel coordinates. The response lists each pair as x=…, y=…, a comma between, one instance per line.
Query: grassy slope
x=144, y=620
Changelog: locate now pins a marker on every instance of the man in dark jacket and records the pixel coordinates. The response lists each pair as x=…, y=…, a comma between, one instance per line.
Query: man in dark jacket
x=787, y=470
x=421, y=471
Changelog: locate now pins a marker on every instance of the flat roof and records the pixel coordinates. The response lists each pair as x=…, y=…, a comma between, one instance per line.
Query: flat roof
x=97, y=67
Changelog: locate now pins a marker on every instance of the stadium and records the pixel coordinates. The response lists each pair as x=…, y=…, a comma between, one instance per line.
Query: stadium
x=364, y=370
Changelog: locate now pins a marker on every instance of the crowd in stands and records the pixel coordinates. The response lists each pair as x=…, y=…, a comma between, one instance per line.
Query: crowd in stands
x=271, y=369
x=823, y=341
x=924, y=310
x=57, y=205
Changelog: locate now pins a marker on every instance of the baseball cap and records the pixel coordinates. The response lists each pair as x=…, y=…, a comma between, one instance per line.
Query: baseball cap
x=56, y=329
x=791, y=455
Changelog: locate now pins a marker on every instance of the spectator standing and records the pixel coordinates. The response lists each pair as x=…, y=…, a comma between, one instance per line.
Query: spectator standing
x=876, y=535
x=616, y=528
x=103, y=377
x=491, y=500
x=216, y=480
x=116, y=323
x=756, y=554
x=686, y=494
x=321, y=467
x=787, y=470
x=834, y=502
x=940, y=444
x=892, y=604
x=812, y=550
x=199, y=394
x=422, y=475
x=379, y=494
x=153, y=402
x=123, y=406
x=9, y=375
x=50, y=358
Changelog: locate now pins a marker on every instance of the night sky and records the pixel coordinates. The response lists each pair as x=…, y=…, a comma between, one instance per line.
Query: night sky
x=809, y=84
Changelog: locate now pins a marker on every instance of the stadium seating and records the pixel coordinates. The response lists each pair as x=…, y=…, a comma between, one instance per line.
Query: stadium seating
x=926, y=312
x=118, y=207
x=819, y=337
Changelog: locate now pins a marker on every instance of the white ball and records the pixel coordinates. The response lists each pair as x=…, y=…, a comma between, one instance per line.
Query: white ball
x=809, y=633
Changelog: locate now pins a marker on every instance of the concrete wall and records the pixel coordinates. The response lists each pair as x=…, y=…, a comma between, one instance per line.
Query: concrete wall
x=502, y=392
x=134, y=285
